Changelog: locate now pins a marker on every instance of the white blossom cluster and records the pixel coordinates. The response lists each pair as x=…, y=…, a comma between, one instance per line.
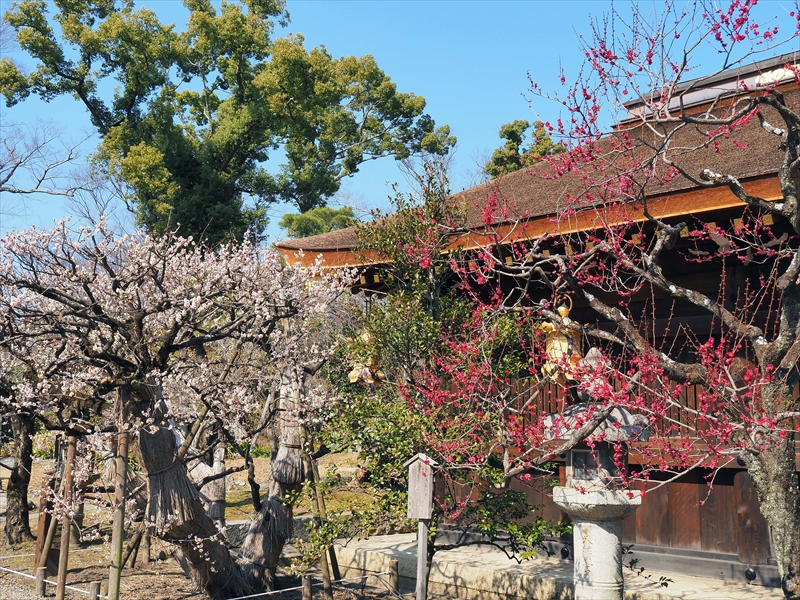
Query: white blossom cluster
x=84, y=313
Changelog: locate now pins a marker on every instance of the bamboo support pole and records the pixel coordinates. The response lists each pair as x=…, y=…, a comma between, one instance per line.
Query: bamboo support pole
x=323, y=558
x=198, y=423
x=133, y=545
x=63, y=556
x=118, y=531
x=323, y=514
x=41, y=586
x=48, y=540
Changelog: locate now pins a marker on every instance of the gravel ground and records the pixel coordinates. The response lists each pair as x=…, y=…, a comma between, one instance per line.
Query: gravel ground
x=15, y=587
x=12, y=590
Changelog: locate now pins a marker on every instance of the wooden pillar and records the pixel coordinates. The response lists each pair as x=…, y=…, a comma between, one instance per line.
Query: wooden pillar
x=394, y=576
x=420, y=506
x=118, y=527
x=422, y=559
x=49, y=556
x=133, y=546
x=323, y=514
x=63, y=555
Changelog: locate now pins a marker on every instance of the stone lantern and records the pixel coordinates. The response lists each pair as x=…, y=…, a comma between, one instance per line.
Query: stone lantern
x=592, y=498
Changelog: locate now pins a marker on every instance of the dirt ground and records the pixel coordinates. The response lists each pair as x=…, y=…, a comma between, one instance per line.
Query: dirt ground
x=163, y=578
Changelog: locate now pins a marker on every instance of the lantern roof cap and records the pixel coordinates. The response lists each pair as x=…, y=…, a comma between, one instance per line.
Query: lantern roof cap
x=619, y=426
x=420, y=457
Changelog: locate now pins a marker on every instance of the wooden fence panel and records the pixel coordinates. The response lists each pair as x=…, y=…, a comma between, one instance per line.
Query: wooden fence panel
x=752, y=530
x=652, y=518
x=684, y=513
x=718, y=521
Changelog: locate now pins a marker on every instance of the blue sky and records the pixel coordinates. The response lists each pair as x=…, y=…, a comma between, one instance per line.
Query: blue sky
x=469, y=59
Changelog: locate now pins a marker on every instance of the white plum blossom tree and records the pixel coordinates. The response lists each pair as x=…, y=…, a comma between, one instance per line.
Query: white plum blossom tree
x=172, y=330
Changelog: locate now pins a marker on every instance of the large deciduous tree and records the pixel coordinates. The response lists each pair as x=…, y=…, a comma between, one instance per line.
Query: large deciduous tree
x=176, y=330
x=194, y=114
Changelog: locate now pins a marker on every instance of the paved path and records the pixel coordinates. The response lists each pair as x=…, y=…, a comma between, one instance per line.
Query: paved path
x=485, y=572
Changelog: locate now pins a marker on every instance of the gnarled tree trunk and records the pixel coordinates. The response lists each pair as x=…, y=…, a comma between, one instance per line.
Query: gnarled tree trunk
x=18, y=528
x=178, y=516
x=213, y=493
x=176, y=511
x=272, y=526
x=773, y=470
x=776, y=483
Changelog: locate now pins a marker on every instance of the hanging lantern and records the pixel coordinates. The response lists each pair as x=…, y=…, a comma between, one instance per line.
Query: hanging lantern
x=562, y=347
x=367, y=373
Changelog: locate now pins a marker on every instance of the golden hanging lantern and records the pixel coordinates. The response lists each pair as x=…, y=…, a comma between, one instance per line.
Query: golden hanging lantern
x=562, y=347
x=369, y=373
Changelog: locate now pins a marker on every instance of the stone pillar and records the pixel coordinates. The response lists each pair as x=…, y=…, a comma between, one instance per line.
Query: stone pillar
x=597, y=521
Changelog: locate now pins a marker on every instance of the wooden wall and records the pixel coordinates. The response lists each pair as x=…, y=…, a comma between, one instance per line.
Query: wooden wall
x=689, y=515
x=685, y=514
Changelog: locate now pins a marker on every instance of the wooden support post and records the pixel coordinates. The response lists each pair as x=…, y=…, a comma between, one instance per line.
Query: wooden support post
x=46, y=528
x=63, y=554
x=323, y=514
x=49, y=538
x=136, y=547
x=77, y=525
x=394, y=576
x=145, y=550
x=41, y=586
x=422, y=559
x=133, y=546
x=323, y=558
x=307, y=589
x=94, y=590
x=118, y=527
x=420, y=506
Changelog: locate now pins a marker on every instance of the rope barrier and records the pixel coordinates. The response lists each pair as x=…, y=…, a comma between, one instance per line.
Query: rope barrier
x=24, y=555
x=313, y=584
x=69, y=587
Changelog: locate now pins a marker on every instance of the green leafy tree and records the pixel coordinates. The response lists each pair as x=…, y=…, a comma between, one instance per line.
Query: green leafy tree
x=318, y=220
x=513, y=156
x=428, y=306
x=188, y=119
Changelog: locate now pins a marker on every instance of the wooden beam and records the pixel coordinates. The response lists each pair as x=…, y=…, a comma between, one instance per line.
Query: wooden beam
x=696, y=201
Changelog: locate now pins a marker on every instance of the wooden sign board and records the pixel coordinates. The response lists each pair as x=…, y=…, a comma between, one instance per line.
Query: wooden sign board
x=420, y=486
